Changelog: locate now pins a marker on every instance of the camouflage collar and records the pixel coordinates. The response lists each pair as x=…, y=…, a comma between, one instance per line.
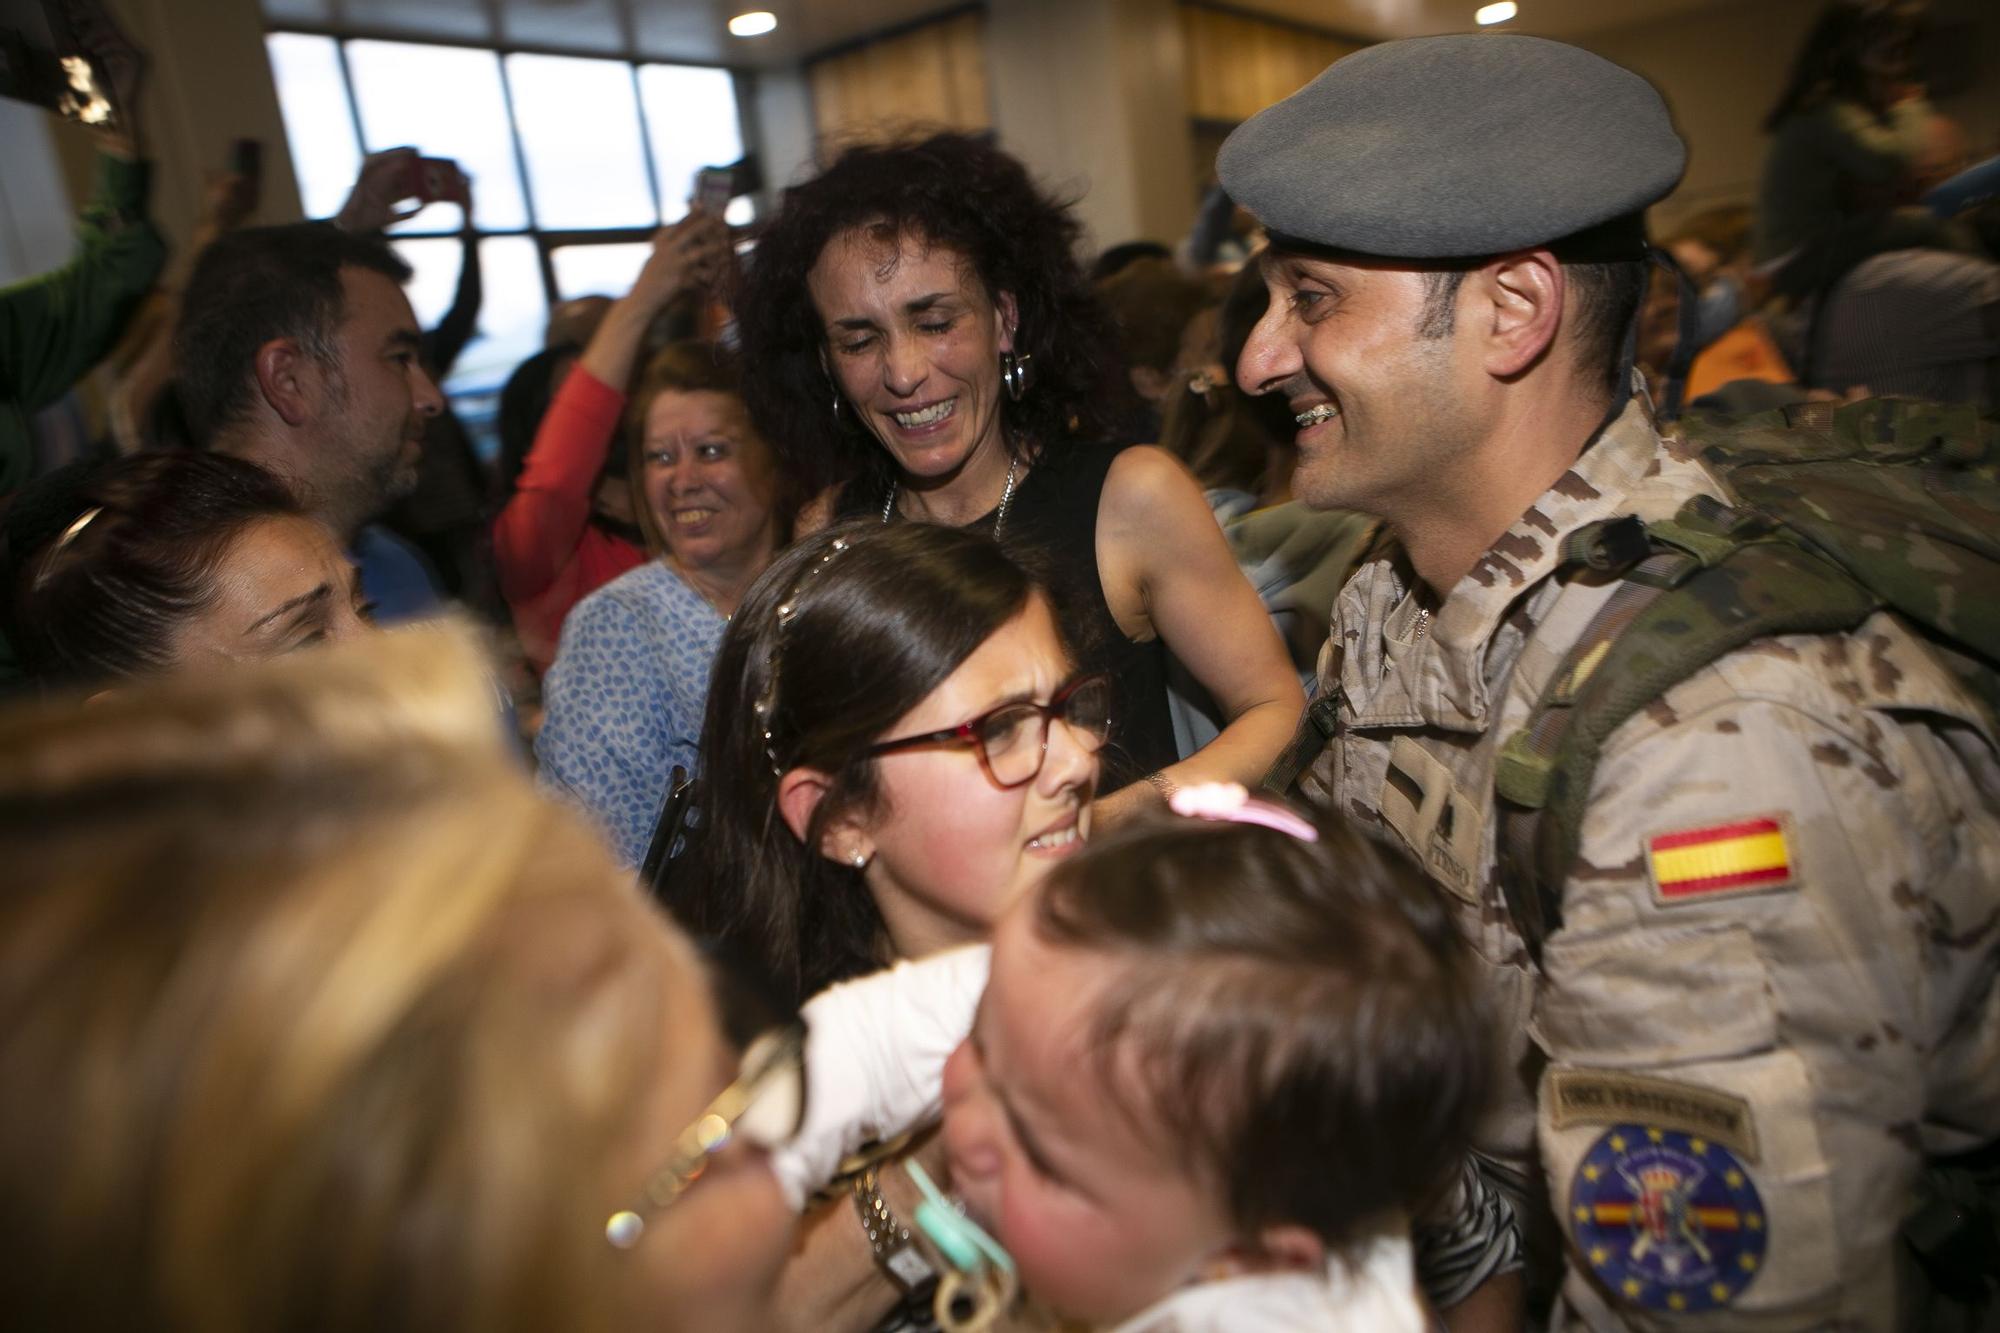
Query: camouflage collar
x=1403, y=668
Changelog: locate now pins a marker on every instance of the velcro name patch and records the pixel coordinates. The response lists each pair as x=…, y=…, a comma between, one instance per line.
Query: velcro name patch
x=1608, y=1097
x=1720, y=860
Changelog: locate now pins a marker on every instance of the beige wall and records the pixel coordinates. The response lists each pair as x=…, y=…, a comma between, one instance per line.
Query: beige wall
x=1091, y=94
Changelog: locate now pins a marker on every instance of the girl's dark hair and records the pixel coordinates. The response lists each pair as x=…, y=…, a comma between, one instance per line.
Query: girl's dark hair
x=1287, y=1002
x=956, y=191
x=100, y=597
x=1832, y=63
x=691, y=365
x=873, y=628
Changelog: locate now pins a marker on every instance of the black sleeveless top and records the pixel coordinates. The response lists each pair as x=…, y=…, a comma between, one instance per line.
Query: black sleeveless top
x=1052, y=529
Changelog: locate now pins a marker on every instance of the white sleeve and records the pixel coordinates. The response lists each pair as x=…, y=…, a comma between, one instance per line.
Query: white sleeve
x=875, y=1054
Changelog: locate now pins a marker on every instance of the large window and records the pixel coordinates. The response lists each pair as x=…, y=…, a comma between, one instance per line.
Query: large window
x=574, y=161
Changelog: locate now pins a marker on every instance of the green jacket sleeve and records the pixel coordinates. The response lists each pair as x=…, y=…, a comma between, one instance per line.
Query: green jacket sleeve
x=56, y=326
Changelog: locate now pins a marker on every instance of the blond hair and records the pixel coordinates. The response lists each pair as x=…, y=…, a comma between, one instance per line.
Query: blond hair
x=329, y=1020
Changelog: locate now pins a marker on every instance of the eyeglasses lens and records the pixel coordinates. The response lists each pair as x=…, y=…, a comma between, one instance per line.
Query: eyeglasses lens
x=1016, y=739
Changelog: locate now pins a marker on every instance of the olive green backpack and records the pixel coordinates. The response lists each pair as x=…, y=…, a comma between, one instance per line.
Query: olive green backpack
x=1835, y=512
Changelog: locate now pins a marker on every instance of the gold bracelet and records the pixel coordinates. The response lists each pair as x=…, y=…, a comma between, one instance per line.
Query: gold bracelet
x=895, y=1252
x=1163, y=784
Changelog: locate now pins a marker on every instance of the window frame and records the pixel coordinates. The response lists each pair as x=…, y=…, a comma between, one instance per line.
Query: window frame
x=547, y=240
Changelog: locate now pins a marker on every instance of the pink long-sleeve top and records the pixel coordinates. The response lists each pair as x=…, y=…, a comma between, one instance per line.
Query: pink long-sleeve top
x=549, y=555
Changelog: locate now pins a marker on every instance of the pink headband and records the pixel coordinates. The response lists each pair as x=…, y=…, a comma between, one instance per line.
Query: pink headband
x=1229, y=801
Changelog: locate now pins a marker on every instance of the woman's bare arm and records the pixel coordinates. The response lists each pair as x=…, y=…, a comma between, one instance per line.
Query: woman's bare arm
x=1168, y=571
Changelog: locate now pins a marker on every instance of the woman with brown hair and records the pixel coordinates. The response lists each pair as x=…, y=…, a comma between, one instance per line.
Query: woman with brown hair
x=314, y=1015
x=624, y=698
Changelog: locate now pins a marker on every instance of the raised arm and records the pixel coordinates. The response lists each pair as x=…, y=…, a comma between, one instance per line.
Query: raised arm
x=542, y=523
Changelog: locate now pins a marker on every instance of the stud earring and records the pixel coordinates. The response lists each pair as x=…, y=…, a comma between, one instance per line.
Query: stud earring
x=859, y=860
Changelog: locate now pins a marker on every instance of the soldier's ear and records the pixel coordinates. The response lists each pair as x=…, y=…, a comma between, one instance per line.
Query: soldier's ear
x=1518, y=310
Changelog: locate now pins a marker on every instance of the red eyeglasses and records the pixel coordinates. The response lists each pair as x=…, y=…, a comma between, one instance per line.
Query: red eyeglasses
x=1013, y=739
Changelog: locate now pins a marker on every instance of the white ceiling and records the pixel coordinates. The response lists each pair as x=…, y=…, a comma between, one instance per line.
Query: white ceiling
x=694, y=30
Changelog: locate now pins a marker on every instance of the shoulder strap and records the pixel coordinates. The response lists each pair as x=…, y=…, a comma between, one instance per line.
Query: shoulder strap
x=1316, y=730
x=1717, y=579
x=669, y=841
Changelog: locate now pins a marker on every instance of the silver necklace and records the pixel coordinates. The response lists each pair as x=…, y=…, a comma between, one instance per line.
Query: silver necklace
x=1000, y=517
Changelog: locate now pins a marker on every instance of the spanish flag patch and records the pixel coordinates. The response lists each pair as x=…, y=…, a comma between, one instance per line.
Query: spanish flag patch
x=1719, y=860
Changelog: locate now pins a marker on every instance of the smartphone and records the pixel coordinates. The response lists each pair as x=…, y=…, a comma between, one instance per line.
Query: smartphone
x=430, y=179
x=714, y=187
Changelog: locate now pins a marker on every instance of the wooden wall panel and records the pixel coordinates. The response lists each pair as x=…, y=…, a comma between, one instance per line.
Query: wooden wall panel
x=934, y=75
x=1238, y=65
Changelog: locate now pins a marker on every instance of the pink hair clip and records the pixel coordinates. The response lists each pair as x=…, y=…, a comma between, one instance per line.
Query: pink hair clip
x=1229, y=801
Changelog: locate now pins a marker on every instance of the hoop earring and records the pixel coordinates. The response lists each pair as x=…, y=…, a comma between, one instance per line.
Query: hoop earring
x=1015, y=373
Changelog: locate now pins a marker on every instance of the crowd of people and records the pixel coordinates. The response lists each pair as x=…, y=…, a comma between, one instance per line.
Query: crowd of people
x=854, y=746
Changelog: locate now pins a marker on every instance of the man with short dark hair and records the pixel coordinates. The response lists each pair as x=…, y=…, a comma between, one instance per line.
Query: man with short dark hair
x=297, y=349
x=1761, y=999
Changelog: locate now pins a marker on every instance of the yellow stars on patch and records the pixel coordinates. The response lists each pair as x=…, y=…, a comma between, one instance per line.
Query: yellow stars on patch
x=1591, y=1171
x=1755, y=1221
x=1633, y=1286
x=1734, y=1178
x=1656, y=1136
x=1599, y=1256
x=1720, y=1291
x=1582, y=1214
x=1747, y=1262
x=1676, y=1301
x=1699, y=1147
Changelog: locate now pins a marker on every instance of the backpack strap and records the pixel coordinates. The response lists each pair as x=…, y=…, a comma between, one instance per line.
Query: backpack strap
x=1317, y=727
x=1716, y=579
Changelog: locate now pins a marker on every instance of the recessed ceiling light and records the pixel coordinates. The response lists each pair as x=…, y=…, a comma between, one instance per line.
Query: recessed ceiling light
x=1485, y=15
x=760, y=21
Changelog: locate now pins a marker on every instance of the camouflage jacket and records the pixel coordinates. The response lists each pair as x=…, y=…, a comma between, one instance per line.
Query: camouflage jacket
x=1772, y=992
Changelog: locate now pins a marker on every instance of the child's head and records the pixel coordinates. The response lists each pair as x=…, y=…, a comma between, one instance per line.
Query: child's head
x=1210, y=1046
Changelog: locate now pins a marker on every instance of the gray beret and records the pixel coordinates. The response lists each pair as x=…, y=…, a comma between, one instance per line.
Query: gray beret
x=1455, y=147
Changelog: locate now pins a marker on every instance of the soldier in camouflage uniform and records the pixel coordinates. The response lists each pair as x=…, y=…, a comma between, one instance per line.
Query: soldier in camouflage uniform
x=1771, y=996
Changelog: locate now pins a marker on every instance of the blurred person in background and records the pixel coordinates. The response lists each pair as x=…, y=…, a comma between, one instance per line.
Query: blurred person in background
x=1151, y=304
x=447, y=515
x=549, y=546
x=56, y=326
x=919, y=339
x=333, y=1023
x=625, y=695
x=168, y=561
x=297, y=350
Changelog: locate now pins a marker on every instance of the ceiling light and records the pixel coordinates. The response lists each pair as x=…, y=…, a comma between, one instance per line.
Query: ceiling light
x=760, y=21
x=1485, y=15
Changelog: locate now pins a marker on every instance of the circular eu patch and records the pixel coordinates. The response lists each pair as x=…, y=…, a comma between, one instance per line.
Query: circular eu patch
x=1666, y=1220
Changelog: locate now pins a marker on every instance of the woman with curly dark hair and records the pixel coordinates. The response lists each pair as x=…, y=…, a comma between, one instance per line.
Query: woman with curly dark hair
x=920, y=343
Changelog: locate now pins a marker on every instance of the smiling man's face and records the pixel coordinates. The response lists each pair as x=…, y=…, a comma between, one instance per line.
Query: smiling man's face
x=1383, y=395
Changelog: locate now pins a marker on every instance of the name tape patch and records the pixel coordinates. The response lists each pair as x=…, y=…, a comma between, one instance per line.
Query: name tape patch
x=1719, y=860
x=1598, y=1097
